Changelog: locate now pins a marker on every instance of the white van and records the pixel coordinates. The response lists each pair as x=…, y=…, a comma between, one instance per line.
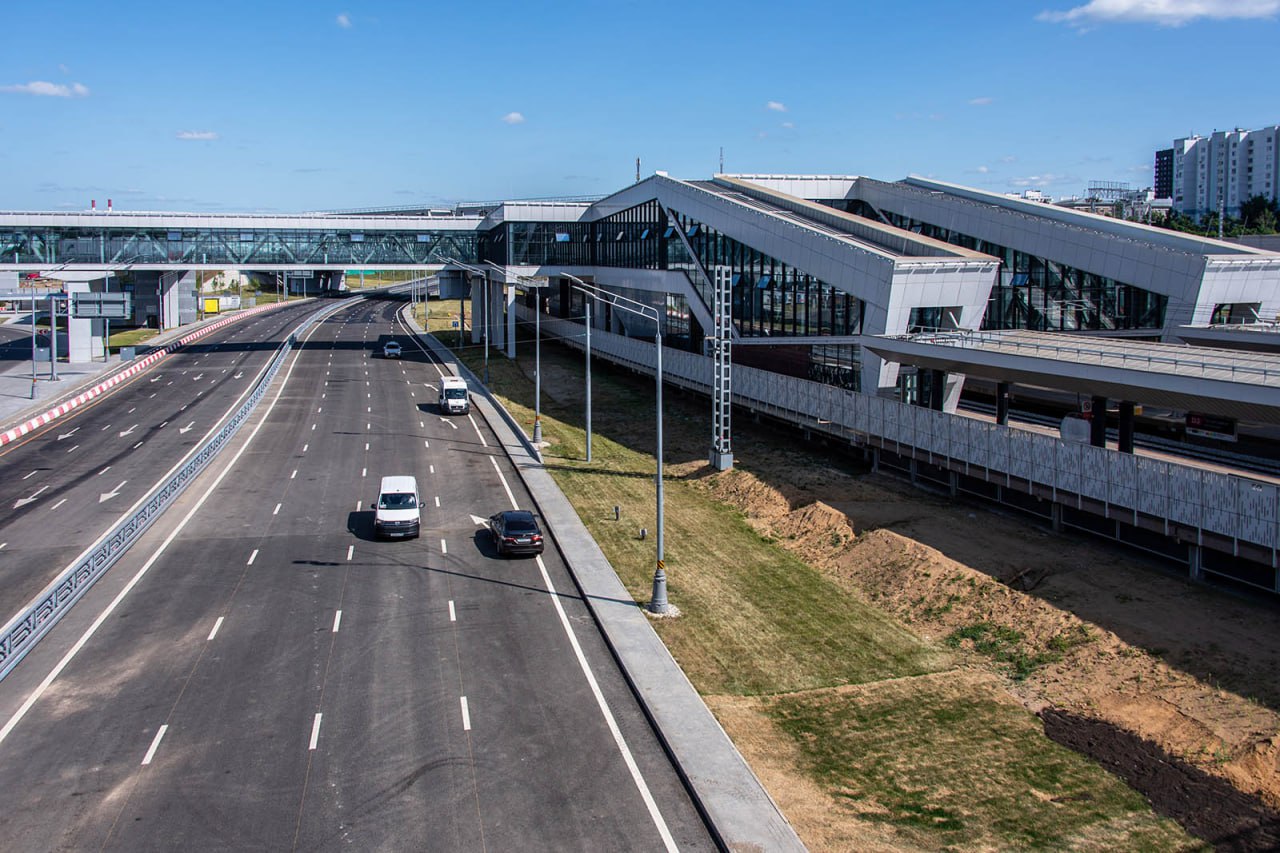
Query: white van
x=396, y=511
x=454, y=399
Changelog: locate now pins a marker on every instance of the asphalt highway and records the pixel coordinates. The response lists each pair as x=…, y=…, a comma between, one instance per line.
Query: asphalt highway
x=63, y=486
x=273, y=678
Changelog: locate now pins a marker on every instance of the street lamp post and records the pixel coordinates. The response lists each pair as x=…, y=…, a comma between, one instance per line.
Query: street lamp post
x=658, y=602
x=33, y=339
x=485, y=307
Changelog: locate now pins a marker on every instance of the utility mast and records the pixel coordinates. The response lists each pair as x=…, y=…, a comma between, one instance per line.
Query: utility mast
x=721, y=160
x=637, y=170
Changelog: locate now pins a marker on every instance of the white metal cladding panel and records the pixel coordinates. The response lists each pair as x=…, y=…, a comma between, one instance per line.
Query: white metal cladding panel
x=1070, y=463
x=868, y=415
x=1122, y=479
x=904, y=419
x=980, y=444
x=893, y=412
x=1185, y=495
x=939, y=432
x=1044, y=464
x=829, y=399
x=1219, y=509
x=1093, y=472
x=1153, y=486
x=1258, y=512
x=923, y=427
x=1020, y=452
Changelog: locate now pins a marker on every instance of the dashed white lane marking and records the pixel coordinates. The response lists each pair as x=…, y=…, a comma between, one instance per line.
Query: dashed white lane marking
x=315, y=731
x=304, y=447
x=155, y=744
x=370, y=396
x=105, y=428
x=323, y=395
x=152, y=394
x=431, y=469
x=2, y=545
x=466, y=715
x=358, y=505
x=313, y=426
x=422, y=424
x=364, y=472
x=32, y=474
x=444, y=547
x=294, y=474
x=368, y=426
x=216, y=626
x=426, y=444
x=136, y=446
x=437, y=501
x=58, y=504
x=366, y=445
x=453, y=617
x=337, y=620
x=351, y=550
x=163, y=424
x=413, y=393
x=252, y=557
x=77, y=447
x=319, y=409
x=104, y=470
x=276, y=511
x=131, y=411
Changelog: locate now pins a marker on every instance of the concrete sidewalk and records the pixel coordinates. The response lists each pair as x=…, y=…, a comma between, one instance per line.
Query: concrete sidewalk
x=741, y=814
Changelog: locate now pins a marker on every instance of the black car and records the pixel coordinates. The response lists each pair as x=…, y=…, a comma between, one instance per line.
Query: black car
x=515, y=531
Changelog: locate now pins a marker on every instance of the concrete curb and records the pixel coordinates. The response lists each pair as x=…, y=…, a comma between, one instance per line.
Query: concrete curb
x=136, y=367
x=739, y=811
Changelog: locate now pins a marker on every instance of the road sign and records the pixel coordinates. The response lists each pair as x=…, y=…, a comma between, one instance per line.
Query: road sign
x=99, y=306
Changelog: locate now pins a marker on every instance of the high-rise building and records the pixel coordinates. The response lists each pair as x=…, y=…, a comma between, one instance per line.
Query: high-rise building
x=1225, y=170
x=1164, y=173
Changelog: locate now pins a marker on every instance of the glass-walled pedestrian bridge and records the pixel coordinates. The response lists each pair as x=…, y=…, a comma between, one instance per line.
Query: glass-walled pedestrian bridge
x=168, y=241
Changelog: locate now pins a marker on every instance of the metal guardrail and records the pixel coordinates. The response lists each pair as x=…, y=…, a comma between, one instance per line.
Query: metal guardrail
x=26, y=629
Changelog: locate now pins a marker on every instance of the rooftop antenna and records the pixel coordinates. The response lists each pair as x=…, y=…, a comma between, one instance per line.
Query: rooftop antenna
x=722, y=159
x=637, y=170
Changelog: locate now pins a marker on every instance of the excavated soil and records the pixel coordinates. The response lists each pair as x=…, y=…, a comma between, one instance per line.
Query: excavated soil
x=1173, y=686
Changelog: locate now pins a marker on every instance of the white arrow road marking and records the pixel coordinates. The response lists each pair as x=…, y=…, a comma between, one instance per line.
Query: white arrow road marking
x=239, y=373
x=449, y=422
x=106, y=496
x=68, y=434
x=478, y=521
x=24, y=501
x=198, y=377
x=186, y=429
x=130, y=430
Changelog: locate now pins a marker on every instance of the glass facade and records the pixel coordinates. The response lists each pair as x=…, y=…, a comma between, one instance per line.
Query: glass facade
x=232, y=247
x=1039, y=294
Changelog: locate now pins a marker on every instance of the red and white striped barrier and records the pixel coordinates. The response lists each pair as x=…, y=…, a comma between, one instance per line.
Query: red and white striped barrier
x=58, y=411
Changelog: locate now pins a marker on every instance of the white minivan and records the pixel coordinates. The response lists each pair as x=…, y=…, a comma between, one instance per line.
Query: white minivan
x=454, y=399
x=396, y=512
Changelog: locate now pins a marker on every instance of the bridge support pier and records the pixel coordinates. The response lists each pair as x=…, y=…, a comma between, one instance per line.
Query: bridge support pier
x=1195, y=563
x=1098, y=422
x=1002, y=403
x=1125, y=444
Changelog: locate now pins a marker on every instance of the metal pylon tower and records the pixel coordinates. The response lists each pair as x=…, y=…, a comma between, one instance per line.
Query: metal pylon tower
x=722, y=369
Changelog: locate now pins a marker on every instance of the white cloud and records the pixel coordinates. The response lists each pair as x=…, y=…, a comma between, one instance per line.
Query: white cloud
x=1008, y=158
x=1047, y=179
x=789, y=125
x=196, y=135
x=513, y=118
x=776, y=106
x=46, y=89
x=982, y=170
x=980, y=102
x=344, y=21
x=1166, y=13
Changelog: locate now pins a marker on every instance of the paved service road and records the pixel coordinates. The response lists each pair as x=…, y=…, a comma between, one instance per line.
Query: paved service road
x=278, y=680
x=63, y=486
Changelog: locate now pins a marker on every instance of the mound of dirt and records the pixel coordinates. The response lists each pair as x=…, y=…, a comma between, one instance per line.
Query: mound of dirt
x=1073, y=626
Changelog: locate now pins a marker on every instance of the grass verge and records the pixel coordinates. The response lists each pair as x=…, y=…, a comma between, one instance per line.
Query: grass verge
x=873, y=712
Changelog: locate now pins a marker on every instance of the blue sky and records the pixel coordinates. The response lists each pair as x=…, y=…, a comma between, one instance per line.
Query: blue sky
x=288, y=106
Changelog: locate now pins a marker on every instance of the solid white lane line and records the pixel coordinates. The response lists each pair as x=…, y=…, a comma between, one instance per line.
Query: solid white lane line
x=453, y=617
x=155, y=744
x=32, y=474
x=216, y=626
x=444, y=547
x=510, y=496
x=315, y=731
x=294, y=474
x=472, y=418
x=437, y=501
x=618, y=740
x=276, y=511
x=58, y=504
x=337, y=620
x=466, y=715
x=252, y=557
x=351, y=549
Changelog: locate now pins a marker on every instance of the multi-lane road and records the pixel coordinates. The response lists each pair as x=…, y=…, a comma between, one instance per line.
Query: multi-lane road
x=260, y=673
